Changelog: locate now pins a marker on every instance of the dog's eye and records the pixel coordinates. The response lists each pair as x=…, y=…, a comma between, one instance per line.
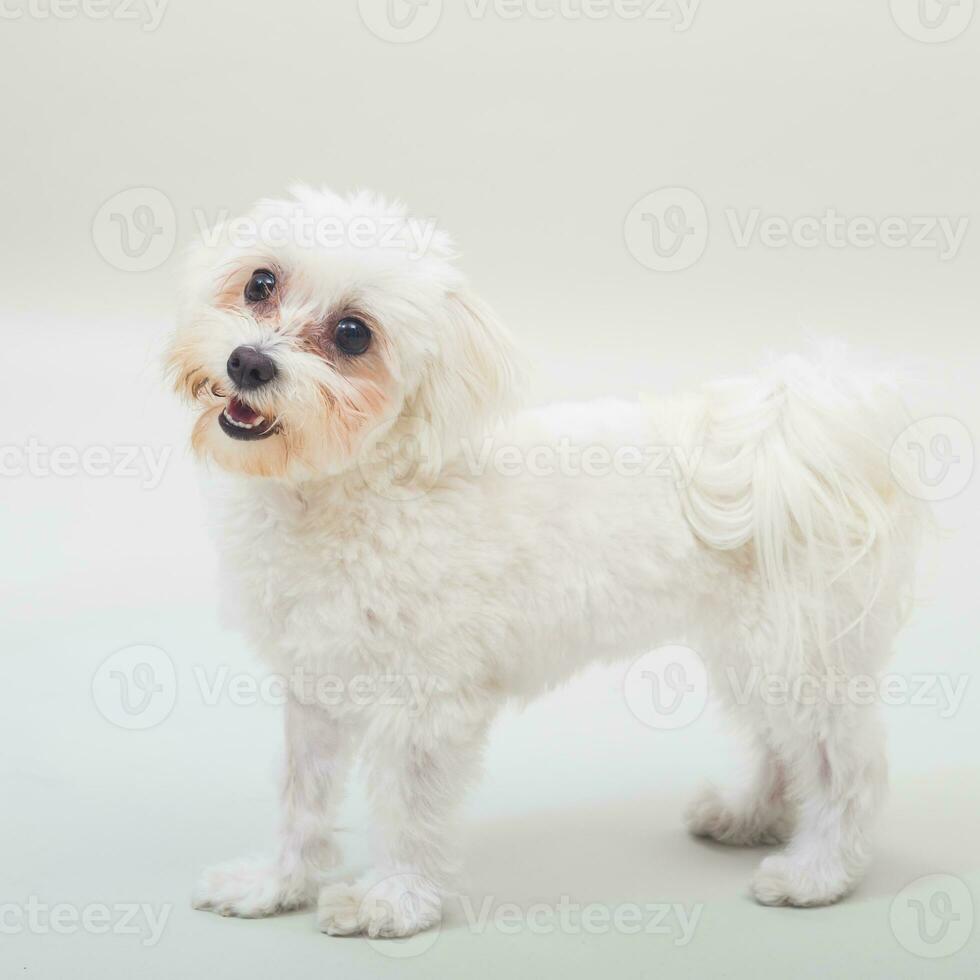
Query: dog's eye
x=260, y=286
x=352, y=336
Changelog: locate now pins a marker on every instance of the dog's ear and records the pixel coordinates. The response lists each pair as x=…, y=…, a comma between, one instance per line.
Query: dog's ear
x=469, y=382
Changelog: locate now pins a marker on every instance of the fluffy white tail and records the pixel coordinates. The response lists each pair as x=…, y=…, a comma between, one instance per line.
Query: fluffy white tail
x=795, y=465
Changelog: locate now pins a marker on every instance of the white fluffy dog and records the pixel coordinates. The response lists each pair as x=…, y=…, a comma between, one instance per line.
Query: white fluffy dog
x=355, y=389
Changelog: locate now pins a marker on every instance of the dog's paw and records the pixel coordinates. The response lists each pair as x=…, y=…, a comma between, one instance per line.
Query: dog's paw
x=250, y=890
x=782, y=880
x=391, y=907
x=708, y=815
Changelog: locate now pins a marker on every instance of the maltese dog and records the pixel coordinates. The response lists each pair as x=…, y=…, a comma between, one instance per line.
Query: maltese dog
x=392, y=522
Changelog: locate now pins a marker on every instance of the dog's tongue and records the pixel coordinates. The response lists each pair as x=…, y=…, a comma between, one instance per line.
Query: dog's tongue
x=242, y=413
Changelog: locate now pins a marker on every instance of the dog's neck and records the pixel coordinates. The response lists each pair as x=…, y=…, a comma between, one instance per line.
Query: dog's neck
x=337, y=504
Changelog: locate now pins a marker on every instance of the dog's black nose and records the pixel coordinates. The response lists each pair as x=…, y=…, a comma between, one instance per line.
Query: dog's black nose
x=250, y=369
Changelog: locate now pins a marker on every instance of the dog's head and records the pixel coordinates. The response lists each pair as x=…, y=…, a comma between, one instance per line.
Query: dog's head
x=319, y=327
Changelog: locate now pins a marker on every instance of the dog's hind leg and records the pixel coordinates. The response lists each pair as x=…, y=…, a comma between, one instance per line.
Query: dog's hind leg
x=753, y=811
x=836, y=772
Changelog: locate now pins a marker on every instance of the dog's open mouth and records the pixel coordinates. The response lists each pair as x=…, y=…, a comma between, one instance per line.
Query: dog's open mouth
x=241, y=422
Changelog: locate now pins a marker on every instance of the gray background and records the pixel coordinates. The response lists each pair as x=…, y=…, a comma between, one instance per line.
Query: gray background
x=531, y=140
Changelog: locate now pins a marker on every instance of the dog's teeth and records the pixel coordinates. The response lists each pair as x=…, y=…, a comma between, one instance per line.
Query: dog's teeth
x=244, y=425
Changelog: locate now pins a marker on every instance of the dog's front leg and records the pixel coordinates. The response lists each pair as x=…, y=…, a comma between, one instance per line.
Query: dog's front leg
x=417, y=772
x=318, y=751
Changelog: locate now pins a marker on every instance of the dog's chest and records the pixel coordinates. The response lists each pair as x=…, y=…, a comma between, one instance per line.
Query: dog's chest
x=312, y=582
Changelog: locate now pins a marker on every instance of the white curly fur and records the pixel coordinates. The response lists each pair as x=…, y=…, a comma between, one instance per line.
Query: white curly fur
x=791, y=549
